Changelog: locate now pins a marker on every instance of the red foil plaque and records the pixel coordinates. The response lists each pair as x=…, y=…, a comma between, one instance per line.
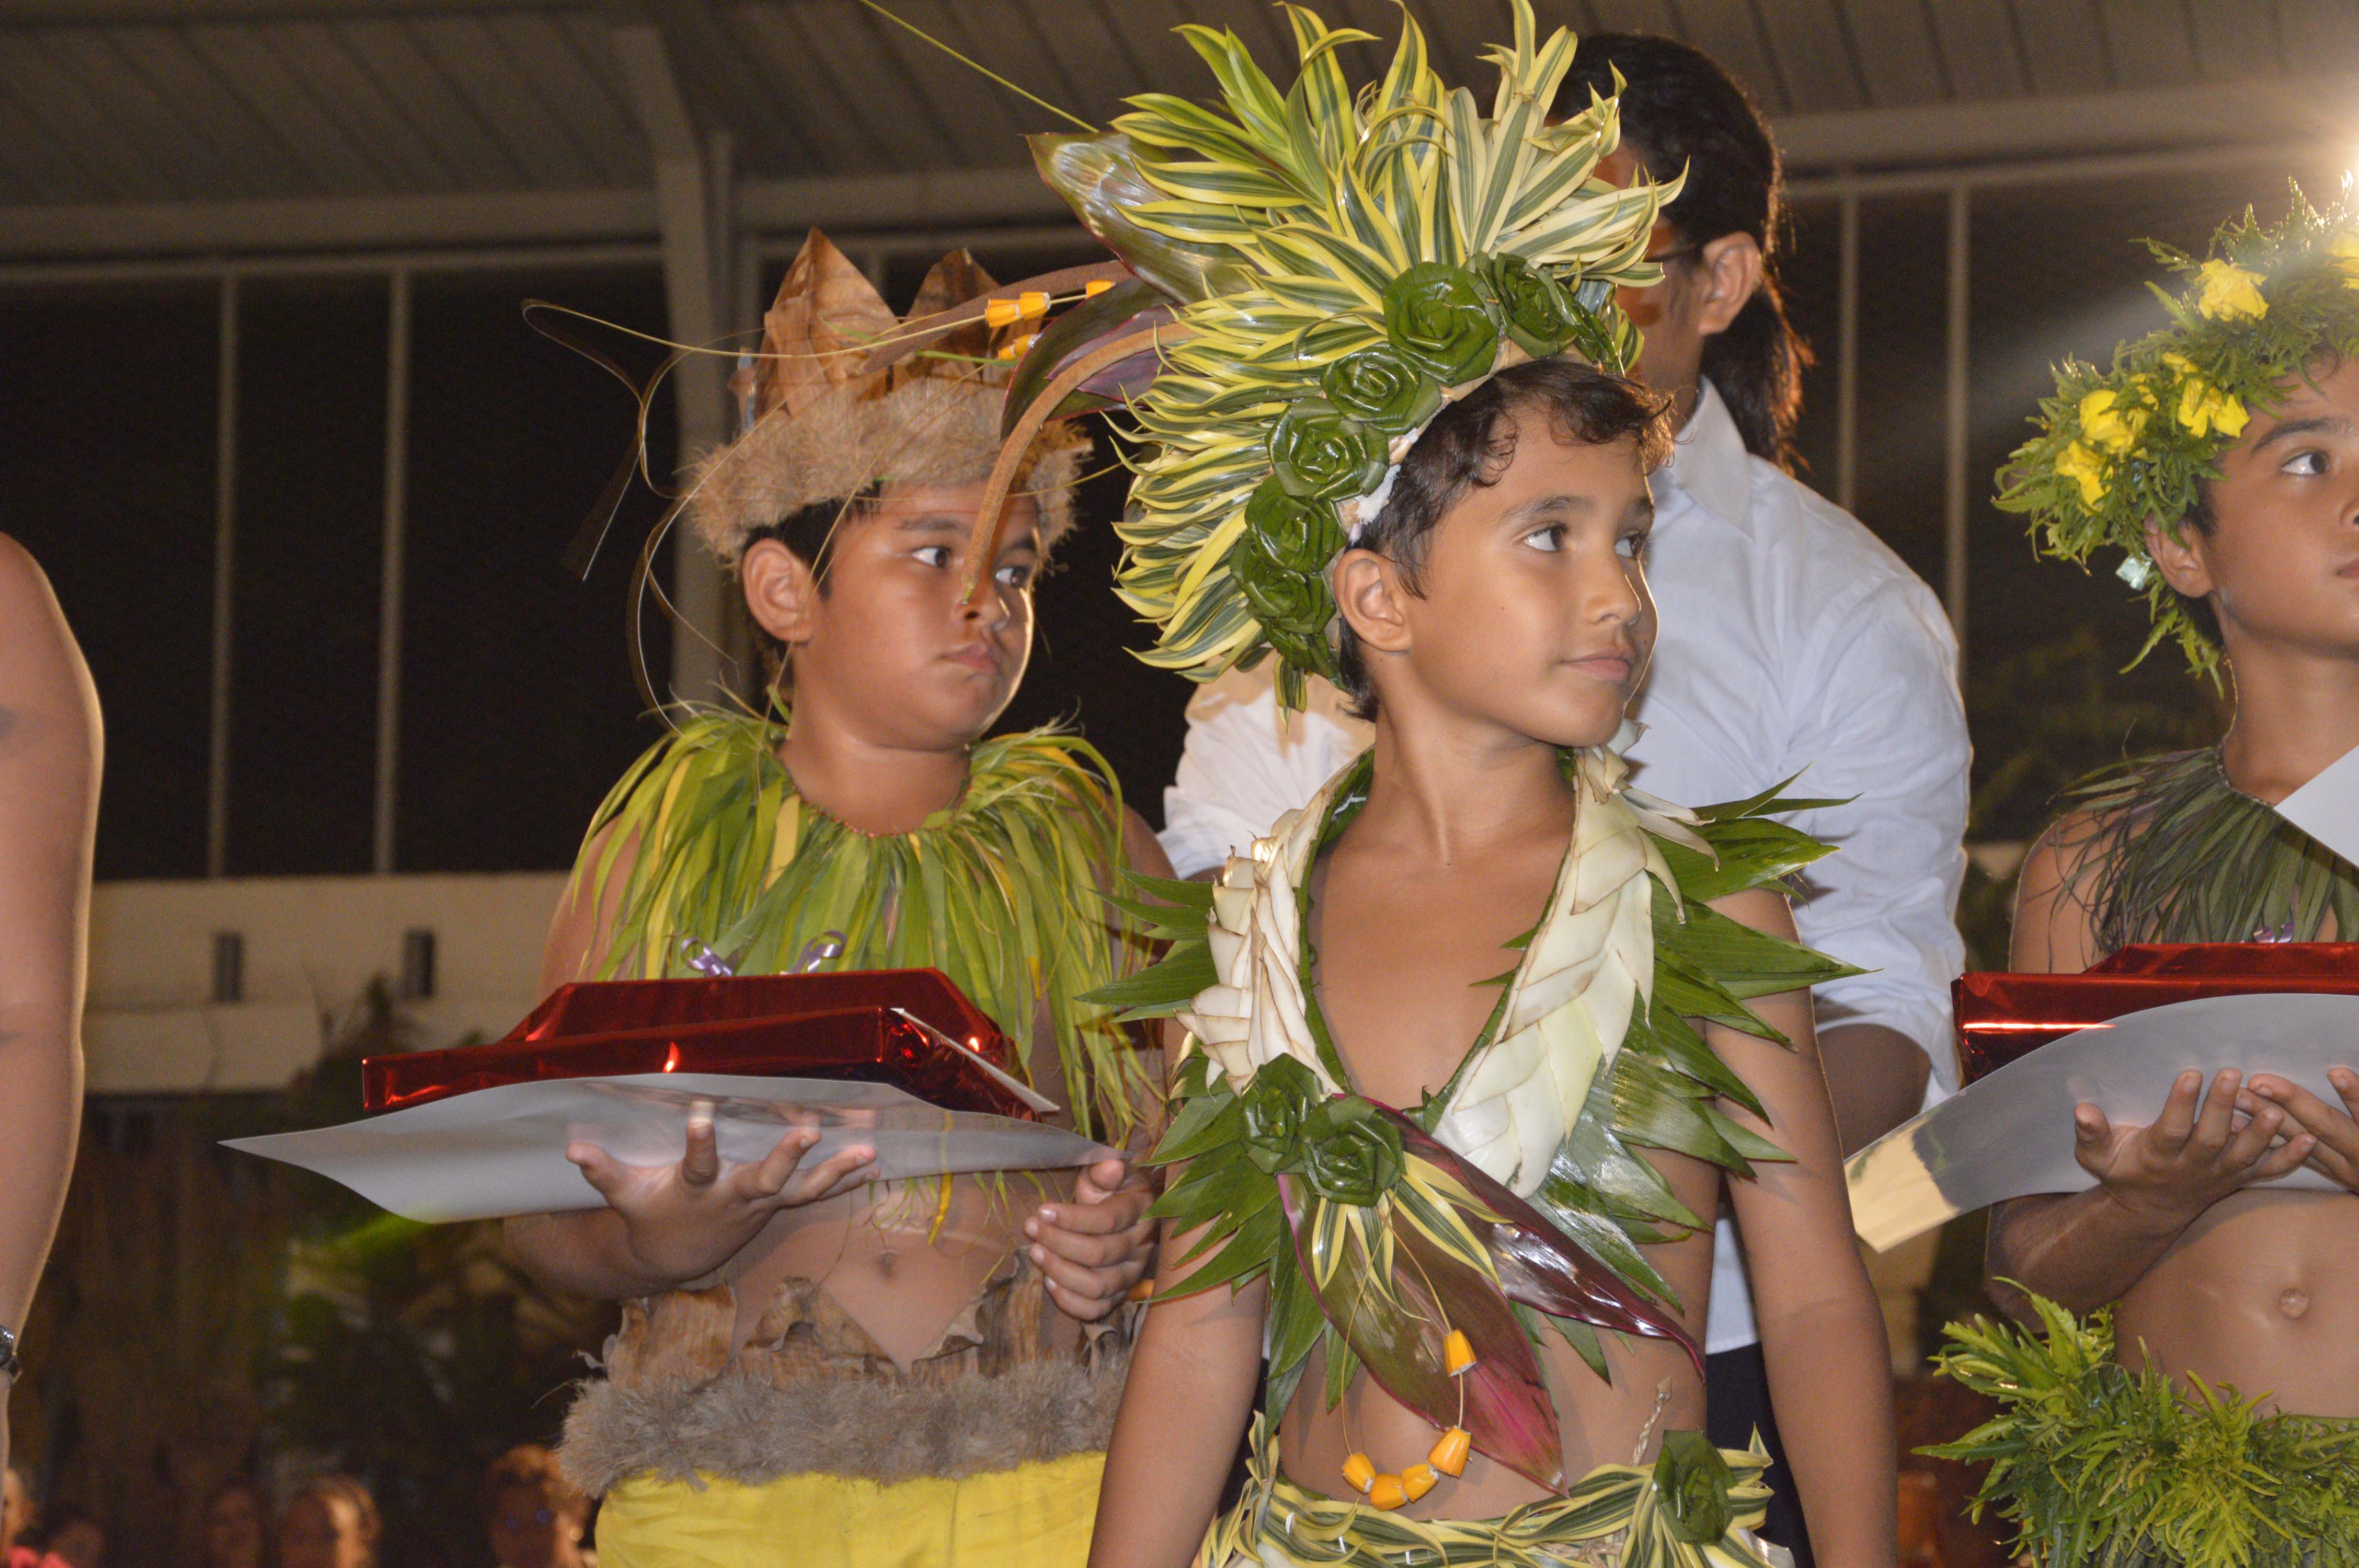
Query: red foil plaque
x=848, y=1026
x=2004, y=1017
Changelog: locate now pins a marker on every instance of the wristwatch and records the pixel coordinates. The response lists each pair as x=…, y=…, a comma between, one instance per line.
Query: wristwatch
x=10, y=1365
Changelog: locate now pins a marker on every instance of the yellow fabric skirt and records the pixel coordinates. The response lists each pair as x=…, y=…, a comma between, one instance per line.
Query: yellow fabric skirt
x=1035, y=1516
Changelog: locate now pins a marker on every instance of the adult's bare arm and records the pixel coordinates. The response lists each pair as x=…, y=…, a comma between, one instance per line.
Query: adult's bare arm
x=1821, y=1332
x=1188, y=1397
x=1875, y=1077
x=50, y=749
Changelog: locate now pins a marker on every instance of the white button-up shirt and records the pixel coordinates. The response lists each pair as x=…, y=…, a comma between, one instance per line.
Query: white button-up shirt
x=1793, y=641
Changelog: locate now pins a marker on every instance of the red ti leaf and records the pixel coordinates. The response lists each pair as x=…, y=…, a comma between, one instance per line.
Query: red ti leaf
x=1538, y=1265
x=1398, y=1335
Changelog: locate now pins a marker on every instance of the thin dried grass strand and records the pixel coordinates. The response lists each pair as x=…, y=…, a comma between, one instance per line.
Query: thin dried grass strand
x=990, y=516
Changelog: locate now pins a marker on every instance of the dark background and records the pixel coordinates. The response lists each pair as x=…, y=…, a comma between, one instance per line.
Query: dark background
x=519, y=706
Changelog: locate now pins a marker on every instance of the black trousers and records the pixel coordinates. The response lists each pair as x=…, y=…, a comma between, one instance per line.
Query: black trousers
x=1736, y=1404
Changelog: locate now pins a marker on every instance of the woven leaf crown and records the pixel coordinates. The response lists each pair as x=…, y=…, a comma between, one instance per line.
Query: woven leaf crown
x=1342, y=262
x=2120, y=449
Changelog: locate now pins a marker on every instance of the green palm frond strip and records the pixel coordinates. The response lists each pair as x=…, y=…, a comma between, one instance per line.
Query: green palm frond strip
x=1616, y=1513
x=1001, y=891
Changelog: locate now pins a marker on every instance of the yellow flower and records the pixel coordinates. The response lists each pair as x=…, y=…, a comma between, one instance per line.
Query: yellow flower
x=2231, y=293
x=2107, y=421
x=2080, y=462
x=2205, y=409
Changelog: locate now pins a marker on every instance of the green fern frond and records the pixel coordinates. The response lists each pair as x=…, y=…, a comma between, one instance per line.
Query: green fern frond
x=2096, y=1464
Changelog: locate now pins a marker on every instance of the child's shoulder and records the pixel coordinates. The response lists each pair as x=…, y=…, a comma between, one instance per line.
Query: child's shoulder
x=2053, y=929
x=1082, y=783
x=1142, y=851
x=2071, y=869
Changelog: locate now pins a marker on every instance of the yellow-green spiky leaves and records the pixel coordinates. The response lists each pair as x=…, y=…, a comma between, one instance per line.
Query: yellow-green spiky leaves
x=1366, y=252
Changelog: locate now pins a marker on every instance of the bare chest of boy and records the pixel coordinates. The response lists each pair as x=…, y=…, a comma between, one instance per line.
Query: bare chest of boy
x=2262, y=1293
x=903, y=1259
x=1407, y=958
x=1404, y=962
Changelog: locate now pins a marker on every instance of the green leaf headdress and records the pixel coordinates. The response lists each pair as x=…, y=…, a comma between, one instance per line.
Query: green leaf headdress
x=2120, y=449
x=1317, y=271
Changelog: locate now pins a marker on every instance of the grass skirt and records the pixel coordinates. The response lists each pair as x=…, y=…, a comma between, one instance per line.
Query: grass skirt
x=2101, y=1466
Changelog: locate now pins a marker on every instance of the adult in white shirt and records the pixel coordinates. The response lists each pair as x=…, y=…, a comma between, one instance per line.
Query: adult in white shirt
x=1792, y=640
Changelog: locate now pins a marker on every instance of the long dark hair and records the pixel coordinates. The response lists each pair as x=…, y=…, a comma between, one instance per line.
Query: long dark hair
x=1680, y=108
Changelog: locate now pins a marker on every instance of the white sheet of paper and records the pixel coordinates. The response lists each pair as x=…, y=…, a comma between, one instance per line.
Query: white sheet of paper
x=2327, y=808
x=2010, y=1134
x=501, y=1151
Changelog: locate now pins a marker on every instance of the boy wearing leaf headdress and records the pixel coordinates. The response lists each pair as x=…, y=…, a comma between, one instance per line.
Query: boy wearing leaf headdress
x=2221, y=456
x=812, y=1364
x=1477, y=1035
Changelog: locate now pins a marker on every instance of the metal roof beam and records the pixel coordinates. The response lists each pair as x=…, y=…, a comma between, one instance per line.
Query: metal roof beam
x=326, y=224
x=152, y=13
x=2221, y=122
x=2216, y=113
x=694, y=202
x=985, y=196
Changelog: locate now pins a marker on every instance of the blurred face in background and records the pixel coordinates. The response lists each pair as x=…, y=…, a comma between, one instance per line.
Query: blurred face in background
x=80, y=1543
x=321, y=1532
x=233, y=1529
x=531, y=1529
x=1703, y=287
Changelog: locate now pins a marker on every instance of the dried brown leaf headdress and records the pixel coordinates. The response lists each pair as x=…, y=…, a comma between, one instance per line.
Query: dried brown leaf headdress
x=828, y=415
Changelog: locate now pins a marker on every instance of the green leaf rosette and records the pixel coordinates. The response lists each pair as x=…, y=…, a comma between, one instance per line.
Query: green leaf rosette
x=1539, y=312
x=1439, y=319
x=1351, y=1156
x=1382, y=388
x=1306, y=651
x=1317, y=454
x=1279, y=566
x=1274, y=1107
x=1693, y=1479
x=1281, y=599
x=1297, y=534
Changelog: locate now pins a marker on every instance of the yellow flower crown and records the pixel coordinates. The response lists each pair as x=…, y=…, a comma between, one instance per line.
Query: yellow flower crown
x=2118, y=450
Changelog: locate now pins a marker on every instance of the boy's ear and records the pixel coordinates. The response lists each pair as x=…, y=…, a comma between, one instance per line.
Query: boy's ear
x=2180, y=556
x=1370, y=595
x=780, y=593
x=1729, y=271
